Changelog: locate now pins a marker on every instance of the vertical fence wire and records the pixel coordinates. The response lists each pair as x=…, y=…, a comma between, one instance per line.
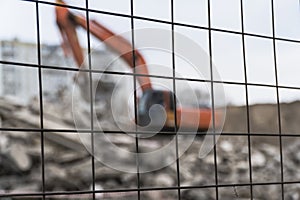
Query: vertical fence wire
x=277, y=99
x=174, y=100
x=91, y=99
x=40, y=79
x=247, y=101
x=212, y=97
x=135, y=98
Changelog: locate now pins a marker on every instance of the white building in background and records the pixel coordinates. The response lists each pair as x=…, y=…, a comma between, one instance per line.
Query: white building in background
x=17, y=81
x=22, y=82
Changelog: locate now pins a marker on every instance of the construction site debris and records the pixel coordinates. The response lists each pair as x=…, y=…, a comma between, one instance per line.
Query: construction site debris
x=68, y=165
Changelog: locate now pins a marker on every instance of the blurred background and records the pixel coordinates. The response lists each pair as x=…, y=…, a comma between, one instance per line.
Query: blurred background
x=40, y=150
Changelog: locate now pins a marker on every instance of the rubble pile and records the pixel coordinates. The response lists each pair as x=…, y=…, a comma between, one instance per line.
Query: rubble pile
x=68, y=165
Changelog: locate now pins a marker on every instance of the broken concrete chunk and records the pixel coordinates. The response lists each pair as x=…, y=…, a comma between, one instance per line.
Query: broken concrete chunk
x=164, y=180
x=20, y=157
x=258, y=159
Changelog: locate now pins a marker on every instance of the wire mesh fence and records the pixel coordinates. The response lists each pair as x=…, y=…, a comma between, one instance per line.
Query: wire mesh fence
x=52, y=148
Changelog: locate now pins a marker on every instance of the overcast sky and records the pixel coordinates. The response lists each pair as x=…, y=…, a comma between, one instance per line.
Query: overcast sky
x=18, y=21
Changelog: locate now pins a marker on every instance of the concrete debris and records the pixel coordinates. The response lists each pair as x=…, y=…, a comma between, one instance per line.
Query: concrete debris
x=68, y=165
x=164, y=180
x=258, y=159
x=19, y=156
x=226, y=146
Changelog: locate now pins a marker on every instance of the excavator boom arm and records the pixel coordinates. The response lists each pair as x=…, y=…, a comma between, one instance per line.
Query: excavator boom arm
x=67, y=23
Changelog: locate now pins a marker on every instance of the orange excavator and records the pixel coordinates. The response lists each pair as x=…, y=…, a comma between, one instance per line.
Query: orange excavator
x=188, y=117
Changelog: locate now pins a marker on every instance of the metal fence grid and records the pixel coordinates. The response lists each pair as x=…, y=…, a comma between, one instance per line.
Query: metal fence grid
x=179, y=188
